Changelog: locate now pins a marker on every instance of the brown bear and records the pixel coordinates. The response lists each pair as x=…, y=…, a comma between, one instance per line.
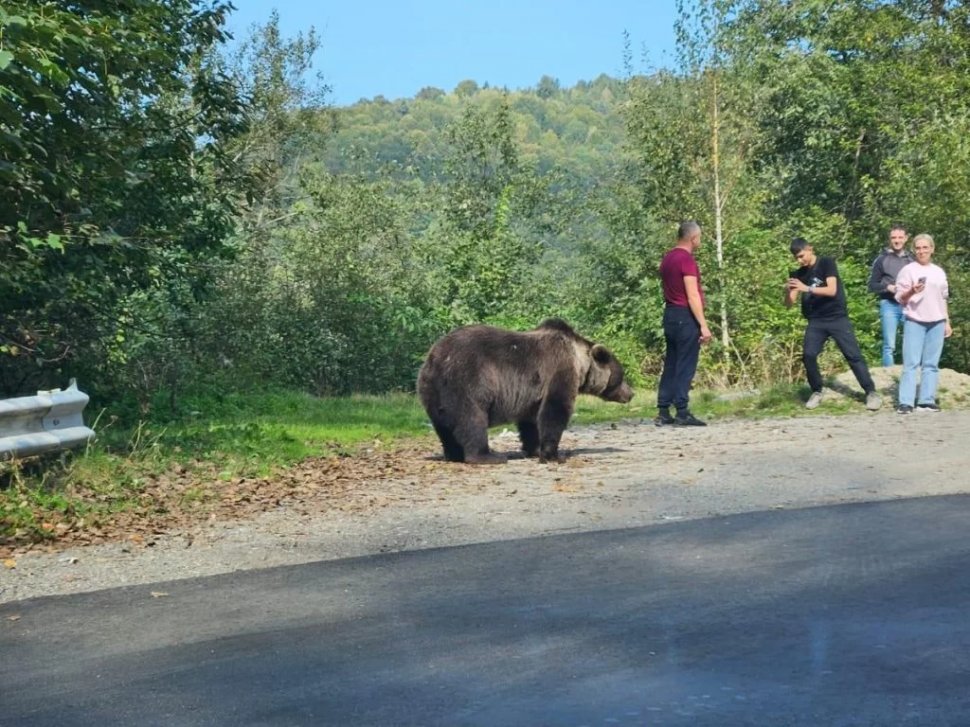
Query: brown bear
x=479, y=376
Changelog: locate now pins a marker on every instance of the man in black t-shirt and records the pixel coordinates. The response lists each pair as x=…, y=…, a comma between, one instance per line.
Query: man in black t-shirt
x=823, y=304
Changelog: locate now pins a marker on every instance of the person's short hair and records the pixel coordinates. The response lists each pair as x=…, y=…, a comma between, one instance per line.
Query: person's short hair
x=897, y=226
x=798, y=244
x=687, y=228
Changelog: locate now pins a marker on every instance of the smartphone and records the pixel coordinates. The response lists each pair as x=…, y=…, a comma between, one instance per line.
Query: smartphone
x=921, y=281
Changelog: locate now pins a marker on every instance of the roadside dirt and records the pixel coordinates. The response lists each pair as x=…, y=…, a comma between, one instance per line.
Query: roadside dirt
x=626, y=475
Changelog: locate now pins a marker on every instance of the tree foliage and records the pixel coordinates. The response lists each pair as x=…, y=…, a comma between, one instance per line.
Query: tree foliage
x=176, y=213
x=114, y=176
x=820, y=108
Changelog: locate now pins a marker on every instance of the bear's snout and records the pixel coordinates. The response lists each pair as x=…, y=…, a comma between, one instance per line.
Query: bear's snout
x=622, y=394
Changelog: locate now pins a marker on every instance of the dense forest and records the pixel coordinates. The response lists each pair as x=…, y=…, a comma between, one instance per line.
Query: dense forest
x=179, y=212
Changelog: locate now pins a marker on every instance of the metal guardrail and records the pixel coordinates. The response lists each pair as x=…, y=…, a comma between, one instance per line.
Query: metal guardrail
x=50, y=421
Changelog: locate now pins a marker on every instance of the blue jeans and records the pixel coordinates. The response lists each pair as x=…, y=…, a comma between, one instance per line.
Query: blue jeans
x=891, y=315
x=922, y=348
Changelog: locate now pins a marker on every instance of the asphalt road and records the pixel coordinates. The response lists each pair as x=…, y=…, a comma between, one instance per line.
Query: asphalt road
x=847, y=615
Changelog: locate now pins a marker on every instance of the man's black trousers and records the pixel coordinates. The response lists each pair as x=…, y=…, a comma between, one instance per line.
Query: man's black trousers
x=840, y=330
x=682, y=335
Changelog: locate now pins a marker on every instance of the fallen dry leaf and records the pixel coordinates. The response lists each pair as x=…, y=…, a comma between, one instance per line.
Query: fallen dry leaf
x=10, y=563
x=345, y=482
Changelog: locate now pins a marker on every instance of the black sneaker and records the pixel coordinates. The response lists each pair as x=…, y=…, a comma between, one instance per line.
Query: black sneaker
x=688, y=420
x=931, y=407
x=904, y=409
x=663, y=419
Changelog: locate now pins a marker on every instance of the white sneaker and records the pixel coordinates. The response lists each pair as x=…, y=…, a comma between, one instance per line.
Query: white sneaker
x=873, y=401
x=814, y=400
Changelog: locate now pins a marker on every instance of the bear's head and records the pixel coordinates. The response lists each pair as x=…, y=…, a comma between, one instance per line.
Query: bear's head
x=605, y=377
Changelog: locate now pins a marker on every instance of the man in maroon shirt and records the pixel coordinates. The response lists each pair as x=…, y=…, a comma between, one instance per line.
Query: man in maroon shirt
x=685, y=327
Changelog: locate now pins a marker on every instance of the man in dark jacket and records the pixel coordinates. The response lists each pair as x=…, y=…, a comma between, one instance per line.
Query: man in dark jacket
x=823, y=304
x=882, y=281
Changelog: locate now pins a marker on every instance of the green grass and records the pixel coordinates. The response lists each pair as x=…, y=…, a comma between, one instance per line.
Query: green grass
x=253, y=434
x=776, y=401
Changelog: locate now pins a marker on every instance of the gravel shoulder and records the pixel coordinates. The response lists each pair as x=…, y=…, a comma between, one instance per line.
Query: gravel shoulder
x=616, y=476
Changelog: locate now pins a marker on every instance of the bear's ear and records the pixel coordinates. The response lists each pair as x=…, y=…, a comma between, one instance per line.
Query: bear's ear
x=601, y=354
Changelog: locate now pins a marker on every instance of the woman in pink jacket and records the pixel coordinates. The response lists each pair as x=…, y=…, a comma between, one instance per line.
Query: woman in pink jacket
x=922, y=289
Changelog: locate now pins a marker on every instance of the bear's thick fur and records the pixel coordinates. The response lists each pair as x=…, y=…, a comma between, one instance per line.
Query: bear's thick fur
x=479, y=376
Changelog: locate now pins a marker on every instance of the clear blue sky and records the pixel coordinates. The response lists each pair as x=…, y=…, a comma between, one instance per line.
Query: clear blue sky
x=395, y=48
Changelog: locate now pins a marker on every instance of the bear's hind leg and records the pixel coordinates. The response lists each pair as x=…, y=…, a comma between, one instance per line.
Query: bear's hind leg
x=473, y=437
x=554, y=416
x=529, y=436
x=452, y=449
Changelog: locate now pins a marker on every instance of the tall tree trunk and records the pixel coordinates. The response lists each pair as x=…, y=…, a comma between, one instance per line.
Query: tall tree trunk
x=719, y=208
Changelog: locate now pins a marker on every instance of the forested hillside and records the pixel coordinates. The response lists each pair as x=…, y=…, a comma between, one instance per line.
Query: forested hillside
x=178, y=213
x=579, y=129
